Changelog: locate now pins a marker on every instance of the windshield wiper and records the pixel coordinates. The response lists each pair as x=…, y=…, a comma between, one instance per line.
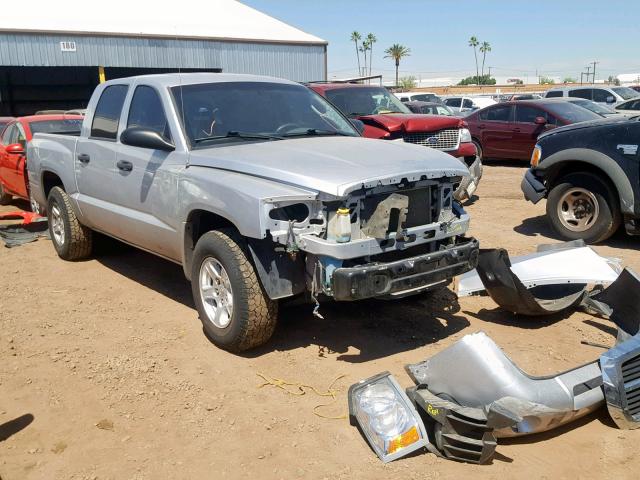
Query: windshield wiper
x=315, y=131
x=242, y=135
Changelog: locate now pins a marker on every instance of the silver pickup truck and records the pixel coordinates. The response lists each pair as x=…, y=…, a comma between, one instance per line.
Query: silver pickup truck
x=259, y=188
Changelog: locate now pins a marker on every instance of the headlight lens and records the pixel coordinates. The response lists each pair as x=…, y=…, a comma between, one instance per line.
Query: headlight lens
x=386, y=416
x=465, y=135
x=536, y=155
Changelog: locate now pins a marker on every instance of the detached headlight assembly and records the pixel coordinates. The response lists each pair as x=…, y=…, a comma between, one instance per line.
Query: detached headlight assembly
x=465, y=135
x=386, y=416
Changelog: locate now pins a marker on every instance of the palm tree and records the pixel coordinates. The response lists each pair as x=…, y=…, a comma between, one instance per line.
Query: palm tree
x=371, y=39
x=355, y=37
x=363, y=49
x=397, y=52
x=473, y=42
x=484, y=48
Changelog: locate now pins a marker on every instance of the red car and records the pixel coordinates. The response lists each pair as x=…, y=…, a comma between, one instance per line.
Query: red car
x=510, y=130
x=385, y=116
x=14, y=181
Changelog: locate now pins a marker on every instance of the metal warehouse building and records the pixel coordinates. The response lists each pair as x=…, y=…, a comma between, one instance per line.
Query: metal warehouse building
x=53, y=54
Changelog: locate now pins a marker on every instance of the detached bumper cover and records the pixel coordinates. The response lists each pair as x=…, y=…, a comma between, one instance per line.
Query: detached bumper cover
x=533, y=189
x=404, y=276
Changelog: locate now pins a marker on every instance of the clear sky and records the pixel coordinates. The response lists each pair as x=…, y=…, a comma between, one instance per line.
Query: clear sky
x=555, y=38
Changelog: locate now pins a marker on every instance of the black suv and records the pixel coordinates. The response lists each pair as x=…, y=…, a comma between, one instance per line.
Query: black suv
x=590, y=174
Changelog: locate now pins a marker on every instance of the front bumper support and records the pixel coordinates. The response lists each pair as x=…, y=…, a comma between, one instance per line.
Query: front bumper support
x=533, y=189
x=401, y=277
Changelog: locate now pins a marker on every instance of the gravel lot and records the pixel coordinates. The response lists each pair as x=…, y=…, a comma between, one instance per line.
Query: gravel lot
x=109, y=359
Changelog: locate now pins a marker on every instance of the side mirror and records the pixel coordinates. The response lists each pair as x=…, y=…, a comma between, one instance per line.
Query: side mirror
x=359, y=124
x=611, y=99
x=540, y=121
x=15, y=149
x=146, y=138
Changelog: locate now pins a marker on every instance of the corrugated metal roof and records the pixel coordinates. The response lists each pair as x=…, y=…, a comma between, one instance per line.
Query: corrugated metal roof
x=295, y=62
x=210, y=19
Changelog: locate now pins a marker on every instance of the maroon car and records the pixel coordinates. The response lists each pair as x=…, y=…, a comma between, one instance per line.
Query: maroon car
x=509, y=130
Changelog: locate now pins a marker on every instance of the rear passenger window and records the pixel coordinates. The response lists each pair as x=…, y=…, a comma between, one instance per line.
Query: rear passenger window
x=107, y=115
x=496, y=114
x=581, y=93
x=146, y=111
x=467, y=103
x=453, y=102
x=552, y=94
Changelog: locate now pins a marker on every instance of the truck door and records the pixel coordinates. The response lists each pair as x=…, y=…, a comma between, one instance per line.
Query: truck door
x=95, y=163
x=148, y=188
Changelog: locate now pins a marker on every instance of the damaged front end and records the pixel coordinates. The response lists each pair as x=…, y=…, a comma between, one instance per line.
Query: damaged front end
x=380, y=240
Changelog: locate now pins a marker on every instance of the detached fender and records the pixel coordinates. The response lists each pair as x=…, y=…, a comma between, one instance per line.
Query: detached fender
x=599, y=160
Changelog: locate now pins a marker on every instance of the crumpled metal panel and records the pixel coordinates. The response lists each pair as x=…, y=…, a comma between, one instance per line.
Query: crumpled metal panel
x=475, y=372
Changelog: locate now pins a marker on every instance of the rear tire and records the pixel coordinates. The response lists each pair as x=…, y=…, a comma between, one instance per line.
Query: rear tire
x=235, y=311
x=583, y=206
x=5, y=198
x=71, y=239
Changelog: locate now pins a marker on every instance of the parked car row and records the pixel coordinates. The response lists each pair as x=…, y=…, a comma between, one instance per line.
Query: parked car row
x=599, y=94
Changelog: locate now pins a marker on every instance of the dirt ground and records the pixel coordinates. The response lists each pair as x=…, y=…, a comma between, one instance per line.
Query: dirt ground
x=105, y=372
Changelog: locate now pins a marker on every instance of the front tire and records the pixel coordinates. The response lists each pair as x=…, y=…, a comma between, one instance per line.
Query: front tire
x=235, y=311
x=71, y=239
x=582, y=206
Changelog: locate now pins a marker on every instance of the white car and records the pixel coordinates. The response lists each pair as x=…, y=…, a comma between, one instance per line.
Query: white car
x=629, y=108
x=418, y=96
x=596, y=94
x=468, y=104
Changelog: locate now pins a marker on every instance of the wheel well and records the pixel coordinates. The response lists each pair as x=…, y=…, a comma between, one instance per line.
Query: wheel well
x=50, y=180
x=566, y=168
x=198, y=223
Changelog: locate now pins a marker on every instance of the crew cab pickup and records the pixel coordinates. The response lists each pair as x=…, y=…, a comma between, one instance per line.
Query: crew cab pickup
x=384, y=116
x=260, y=189
x=588, y=172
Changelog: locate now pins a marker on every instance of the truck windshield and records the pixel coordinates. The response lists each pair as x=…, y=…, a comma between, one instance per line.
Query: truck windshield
x=358, y=101
x=227, y=112
x=69, y=126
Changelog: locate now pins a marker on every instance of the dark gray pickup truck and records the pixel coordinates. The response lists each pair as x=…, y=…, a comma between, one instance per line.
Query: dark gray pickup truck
x=590, y=174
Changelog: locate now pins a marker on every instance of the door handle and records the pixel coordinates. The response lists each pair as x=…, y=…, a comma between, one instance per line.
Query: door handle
x=84, y=158
x=124, y=165
x=480, y=127
x=516, y=130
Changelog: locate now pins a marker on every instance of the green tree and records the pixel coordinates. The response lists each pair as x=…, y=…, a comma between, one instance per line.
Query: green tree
x=473, y=80
x=371, y=39
x=397, y=52
x=355, y=38
x=484, y=48
x=407, y=83
x=546, y=81
x=473, y=42
x=568, y=80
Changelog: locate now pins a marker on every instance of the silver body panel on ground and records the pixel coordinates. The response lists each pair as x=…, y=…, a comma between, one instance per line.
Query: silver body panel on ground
x=475, y=372
x=621, y=381
x=580, y=265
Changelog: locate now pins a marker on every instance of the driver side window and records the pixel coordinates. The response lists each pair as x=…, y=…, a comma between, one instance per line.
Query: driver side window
x=8, y=134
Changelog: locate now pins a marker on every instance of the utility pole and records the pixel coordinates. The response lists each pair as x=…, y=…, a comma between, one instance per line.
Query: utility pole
x=581, y=76
x=588, y=67
x=594, y=71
